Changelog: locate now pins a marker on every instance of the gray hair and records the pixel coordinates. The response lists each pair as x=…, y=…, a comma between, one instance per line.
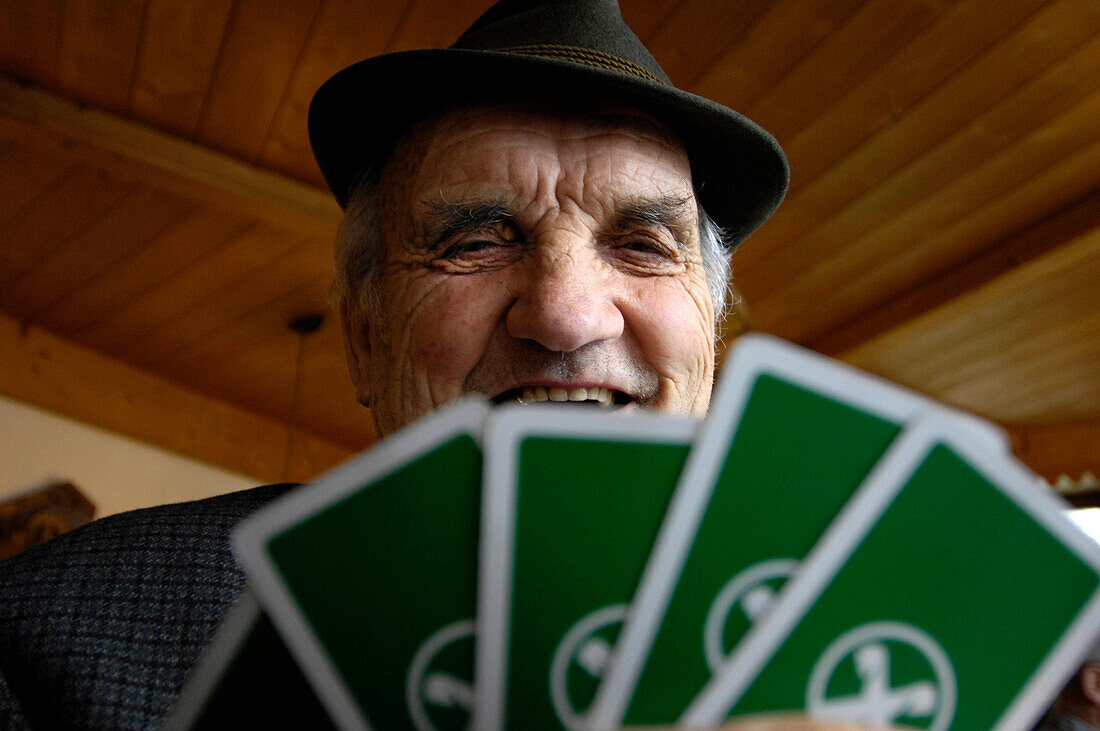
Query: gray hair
x=360, y=252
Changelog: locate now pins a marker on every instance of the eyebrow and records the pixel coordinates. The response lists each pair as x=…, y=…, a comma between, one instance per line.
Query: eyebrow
x=670, y=211
x=447, y=218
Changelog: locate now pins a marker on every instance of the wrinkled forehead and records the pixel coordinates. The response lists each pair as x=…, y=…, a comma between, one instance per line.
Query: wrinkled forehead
x=497, y=150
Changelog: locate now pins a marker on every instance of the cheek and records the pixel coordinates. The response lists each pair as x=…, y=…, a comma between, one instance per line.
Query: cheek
x=453, y=327
x=675, y=326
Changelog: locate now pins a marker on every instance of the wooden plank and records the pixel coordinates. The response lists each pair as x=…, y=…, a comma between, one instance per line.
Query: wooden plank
x=984, y=339
x=1052, y=450
x=326, y=403
x=645, y=17
x=1067, y=224
x=1054, y=163
x=774, y=45
x=1024, y=112
x=969, y=344
x=138, y=154
x=29, y=31
x=697, y=32
x=261, y=46
x=1060, y=381
x=855, y=51
x=76, y=199
x=1071, y=179
x=958, y=35
x=260, y=376
x=1035, y=71
x=1016, y=341
x=1034, y=318
x=195, y=283
x=179, y=47
x=148, y=269
x=141, y=214
x=1020, y=384
x=252, y=290
x=26, y=174
x=344, y=32
x=1048, y=287
x=97, y=51
x=423, y=26
x=217, y=352
x=263, y=377
x=55, y=374
x=850, y=275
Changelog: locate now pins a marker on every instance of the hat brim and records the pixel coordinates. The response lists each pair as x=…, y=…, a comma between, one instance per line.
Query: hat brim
x=357, y=116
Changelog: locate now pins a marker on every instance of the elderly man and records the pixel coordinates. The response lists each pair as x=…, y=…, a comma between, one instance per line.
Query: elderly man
x=526, y=217
x=533, y=257
x=533, y=214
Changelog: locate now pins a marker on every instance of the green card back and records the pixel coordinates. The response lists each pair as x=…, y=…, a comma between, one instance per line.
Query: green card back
x=790, y=442
x=586, y=494
x=789, y=438
x=946, y=596
x=374, y=587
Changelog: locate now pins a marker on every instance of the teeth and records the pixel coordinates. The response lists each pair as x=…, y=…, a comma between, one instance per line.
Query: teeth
x=533, y=394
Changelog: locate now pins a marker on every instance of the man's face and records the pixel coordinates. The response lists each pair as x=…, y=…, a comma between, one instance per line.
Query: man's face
x=536, y=257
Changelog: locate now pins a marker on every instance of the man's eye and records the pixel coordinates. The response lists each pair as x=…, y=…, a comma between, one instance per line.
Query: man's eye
x=647, y=255
x=645, y=247
x=477, y=254
x=470, y=246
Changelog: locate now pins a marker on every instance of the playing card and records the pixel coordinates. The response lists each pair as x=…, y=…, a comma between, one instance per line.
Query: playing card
x=789, y=437
x=573, y=502
x=370, y=576
x=951, y=593
x=246, y=678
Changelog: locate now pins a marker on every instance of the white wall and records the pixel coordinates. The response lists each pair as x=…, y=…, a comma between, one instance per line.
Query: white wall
x=114, y=472
x=1088, y=520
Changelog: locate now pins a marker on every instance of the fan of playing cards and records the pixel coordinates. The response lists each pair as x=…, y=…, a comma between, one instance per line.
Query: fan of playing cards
x=822, y=542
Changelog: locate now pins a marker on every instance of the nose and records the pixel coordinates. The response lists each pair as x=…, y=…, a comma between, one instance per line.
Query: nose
x=566, y=301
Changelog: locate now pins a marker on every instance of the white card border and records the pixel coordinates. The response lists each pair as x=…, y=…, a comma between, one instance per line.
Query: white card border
x=250, y=539
x=505, y=430
x=844, y=535
x=754, y=355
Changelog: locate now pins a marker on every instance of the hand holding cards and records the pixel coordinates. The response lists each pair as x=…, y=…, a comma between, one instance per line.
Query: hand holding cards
x=823, y=543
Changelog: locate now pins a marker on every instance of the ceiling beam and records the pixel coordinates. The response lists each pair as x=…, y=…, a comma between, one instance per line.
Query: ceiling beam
x=55, y=374
x=1059, y=228
x=1054, y=450
x=135, y=152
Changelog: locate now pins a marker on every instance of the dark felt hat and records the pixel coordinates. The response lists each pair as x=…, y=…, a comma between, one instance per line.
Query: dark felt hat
x=528, y=48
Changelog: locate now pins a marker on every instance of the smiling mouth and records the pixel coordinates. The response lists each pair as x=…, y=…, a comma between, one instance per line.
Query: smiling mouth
x=595, y=395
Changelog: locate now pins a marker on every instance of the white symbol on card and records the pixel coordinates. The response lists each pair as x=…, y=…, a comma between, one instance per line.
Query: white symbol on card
x=868, y=653
x=447, y=691
x=587, y=647
x=752, y=591
x=428, y=687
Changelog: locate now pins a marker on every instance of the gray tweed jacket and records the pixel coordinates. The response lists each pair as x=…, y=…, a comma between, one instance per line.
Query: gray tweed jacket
x=99, y=628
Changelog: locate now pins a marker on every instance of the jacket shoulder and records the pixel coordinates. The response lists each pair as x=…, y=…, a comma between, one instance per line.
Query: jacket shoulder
x=100, y=626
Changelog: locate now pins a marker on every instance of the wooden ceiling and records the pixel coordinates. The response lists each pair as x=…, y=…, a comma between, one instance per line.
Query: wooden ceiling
x=162, y=220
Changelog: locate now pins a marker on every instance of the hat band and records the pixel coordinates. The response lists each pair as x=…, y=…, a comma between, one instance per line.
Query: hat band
x=585, y=56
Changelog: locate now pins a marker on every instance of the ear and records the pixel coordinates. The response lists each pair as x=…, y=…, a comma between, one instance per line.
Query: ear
x=1090, y=682
x=357, y=349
